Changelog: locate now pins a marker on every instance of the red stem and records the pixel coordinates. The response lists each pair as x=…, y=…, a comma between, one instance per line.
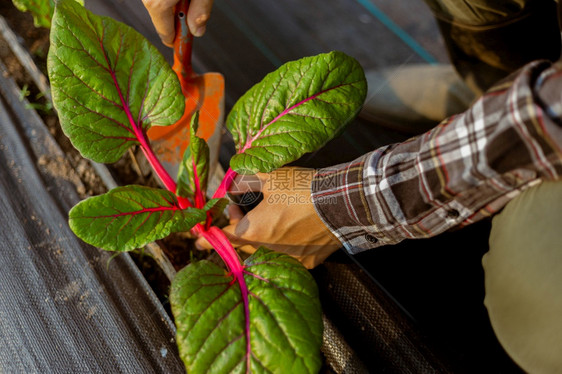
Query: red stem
x=224, y=248
x=166, y=179
x=225, y=183
x=199, y=196
x=162, y=173
x=140, y=135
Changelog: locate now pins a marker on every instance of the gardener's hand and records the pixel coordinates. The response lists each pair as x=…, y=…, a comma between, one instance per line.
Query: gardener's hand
x=162, y=15
x=284, y=221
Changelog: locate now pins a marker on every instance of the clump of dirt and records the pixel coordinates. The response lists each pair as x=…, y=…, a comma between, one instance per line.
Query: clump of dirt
x=60, y=167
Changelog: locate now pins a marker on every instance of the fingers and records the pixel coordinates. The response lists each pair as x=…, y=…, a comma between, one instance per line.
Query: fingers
x=235, y=214
x=162, y=14
x=247, y=248
x=198, y=15
x=201, y=244
x=284, y=221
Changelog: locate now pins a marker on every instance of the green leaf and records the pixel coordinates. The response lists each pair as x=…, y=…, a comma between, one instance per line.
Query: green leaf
x=294, y=110
x=109, y=83
x=129, y=217
x=285, y=317
x=41, y=10
x=194, y=169
x=216, y=206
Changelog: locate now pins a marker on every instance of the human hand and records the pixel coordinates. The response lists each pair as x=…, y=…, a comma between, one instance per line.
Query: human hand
x=284, y=221
x=162, y=15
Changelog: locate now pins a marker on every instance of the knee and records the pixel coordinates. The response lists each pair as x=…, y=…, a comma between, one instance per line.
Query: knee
x=523, y=271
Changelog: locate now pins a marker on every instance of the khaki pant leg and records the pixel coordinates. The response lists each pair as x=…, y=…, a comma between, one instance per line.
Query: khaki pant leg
x=523, y=278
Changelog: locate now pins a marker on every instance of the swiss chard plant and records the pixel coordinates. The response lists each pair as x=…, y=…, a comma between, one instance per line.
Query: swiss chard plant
x=109, y=87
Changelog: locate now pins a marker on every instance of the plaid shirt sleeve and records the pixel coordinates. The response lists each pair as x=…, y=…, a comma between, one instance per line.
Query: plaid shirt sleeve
x=465, y=169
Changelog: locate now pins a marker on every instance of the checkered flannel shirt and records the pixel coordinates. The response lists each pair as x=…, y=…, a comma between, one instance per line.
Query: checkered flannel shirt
x=465, y=169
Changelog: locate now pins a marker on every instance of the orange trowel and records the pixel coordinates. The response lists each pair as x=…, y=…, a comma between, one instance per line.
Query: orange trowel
x=203, y=93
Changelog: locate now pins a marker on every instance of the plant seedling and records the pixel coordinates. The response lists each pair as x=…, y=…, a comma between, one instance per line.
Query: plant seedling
x=109, y=87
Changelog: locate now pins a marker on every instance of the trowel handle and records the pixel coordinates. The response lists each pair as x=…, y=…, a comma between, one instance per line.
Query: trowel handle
x=182, y=44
